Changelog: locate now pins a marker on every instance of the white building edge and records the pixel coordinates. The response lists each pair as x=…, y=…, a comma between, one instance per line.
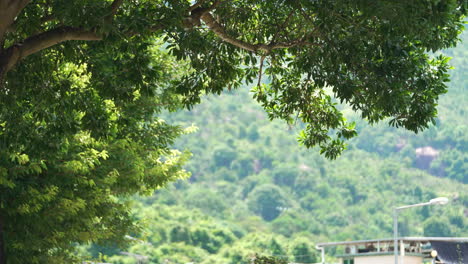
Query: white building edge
x=412, y=250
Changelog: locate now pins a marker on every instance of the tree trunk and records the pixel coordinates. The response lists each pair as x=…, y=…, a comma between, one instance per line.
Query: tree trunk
x=2, y=241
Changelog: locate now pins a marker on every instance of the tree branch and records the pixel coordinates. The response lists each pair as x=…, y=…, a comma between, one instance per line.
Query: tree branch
x=195, y=6
x=283, y=26
x=10, y=57
x=214, y=26
x=196, y=12
x=114, y=7
x=260, y=69
x=44, y=40
x=9, y=10
x=219, y=30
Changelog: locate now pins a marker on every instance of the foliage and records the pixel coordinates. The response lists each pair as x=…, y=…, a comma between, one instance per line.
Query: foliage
x=268, y=201
x=72, y=152
x=82, y=84
x=327, y=200
x=209, y=202
x=303, y=252
x=268, y=260
x=436, y=228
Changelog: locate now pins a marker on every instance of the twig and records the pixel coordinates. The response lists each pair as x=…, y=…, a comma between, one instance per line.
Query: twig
x=260, y=69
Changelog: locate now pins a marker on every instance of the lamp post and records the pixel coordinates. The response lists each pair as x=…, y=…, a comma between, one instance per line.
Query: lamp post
x=439, y=200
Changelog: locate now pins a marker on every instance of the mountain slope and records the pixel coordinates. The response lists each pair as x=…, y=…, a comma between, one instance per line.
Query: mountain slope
x=254, y=189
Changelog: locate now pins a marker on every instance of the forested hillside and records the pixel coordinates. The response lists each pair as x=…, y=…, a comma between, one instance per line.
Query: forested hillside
x=254, y=189
x=98, y=99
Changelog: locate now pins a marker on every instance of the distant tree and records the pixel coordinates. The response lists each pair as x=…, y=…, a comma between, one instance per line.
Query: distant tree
x=303, y=251
x=242, y=132
x=285, y=175
x=246, y=250
x=207, y=201
x=289, y=224
x=454, y=164
x=224, y=156
x=211, y=239
x=458, y=220
x=268, y=201
x=306, y=182
x=177, y=253
x=268, y=260
x=244, y=166
x=180, y=234
x=437, y=228
x=276, y=248
x=252, y=133
x=225, y=174
x=425, y=211
x=263, y=160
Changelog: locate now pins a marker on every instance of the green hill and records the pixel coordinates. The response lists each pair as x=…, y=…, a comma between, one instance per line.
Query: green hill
x=255, y=190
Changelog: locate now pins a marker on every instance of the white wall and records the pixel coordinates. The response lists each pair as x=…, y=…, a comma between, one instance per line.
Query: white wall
x=389, y=259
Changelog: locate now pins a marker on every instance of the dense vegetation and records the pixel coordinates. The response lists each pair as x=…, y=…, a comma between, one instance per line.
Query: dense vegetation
x=254, y=190
x=83, y=85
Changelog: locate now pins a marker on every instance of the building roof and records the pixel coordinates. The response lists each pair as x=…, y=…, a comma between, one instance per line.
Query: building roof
x=390, y=240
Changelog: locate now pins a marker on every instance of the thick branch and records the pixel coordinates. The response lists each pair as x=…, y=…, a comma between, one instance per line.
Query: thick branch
x=9, y=10
x=219, y=30
x=196, y=12
x=49, y=38
x=36, y=43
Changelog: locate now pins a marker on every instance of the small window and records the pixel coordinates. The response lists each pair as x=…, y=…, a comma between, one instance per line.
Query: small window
x=348, y=261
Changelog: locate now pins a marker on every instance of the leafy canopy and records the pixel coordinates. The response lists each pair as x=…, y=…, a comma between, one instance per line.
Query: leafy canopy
x=81, y=83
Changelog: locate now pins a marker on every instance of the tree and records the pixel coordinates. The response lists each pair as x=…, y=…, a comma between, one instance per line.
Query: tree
x=268, y=201
x=285, y=175
x=370, y=55
x=224, y=157
x=72, y=150
x=81, y=83
x=209, y=202
x=303, y=251
x=436, y=228
x=268, y=260
x=180, y=234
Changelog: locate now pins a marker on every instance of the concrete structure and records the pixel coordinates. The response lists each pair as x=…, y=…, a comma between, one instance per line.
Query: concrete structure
x=386, y=259
x=412, y=250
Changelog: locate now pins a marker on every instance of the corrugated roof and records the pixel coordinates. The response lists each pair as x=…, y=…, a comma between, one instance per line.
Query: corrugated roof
x=390, y=240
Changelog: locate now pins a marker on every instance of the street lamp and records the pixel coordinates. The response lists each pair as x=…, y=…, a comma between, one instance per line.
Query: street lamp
x=439, y=200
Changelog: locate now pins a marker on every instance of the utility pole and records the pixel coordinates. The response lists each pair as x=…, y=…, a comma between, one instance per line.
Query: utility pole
x=439, y=200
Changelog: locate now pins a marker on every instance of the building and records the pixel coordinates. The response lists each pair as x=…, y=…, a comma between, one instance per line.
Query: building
x=412, y=250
